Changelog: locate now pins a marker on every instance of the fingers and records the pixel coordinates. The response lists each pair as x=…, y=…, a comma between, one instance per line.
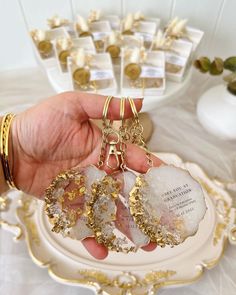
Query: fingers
x=100, y=252
x=136, y=159
x=92, y=105
x=150, y=247
x=97, y=250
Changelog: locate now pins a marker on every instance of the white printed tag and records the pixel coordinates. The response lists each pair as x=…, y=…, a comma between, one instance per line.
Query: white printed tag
x=146, y=36
x=101, y=75
x=99, y=35
x=115, y=24
x=175, y=59
x=172, y=198
x=152, y=72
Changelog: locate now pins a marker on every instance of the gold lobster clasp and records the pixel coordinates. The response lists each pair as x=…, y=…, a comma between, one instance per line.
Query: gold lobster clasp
x=113, y=161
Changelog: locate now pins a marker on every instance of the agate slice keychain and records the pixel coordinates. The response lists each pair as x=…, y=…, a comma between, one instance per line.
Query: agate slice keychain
x=86, y=202
x=66, y=200
x=166, y=202
x=108, y=211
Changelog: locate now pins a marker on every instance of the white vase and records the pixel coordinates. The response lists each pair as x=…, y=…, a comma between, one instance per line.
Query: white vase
x=216, y=111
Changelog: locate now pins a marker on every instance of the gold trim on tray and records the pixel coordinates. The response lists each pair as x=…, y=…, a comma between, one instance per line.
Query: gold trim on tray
x=17, y=227
x=100, y=281
x=224, y=212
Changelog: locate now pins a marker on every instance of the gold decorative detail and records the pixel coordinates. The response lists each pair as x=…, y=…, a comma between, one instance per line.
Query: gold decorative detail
x=128, y=32
x=81, y=76
x=133, y=71
x=212, y=263
x=165, y=283
x=27, y=205
x=25, y=212
x=4, y=202
x=63, y=56
x=17, y=227
x=99, y=44
x=126, y=288
x=4, y=206
x=45, y=48
x=154, y=276
x=126, y=280
x=85, y=34
x=223, y=210
x=94, y=275
x=114, y=51
x=220, y=227
x=32, y=230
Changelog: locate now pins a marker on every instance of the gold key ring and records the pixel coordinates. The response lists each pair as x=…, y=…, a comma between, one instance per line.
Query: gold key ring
x=133, y=107
x=106, y=106
x=122, y=108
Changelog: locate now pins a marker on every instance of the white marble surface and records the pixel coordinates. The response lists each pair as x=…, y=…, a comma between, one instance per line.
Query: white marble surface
x=176, y=130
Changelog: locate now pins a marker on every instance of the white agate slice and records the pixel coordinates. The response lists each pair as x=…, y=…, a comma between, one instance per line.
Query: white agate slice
x=105, y=212
x=81, y=230
x=124, y=220
x=173, y=202
x=113, y=221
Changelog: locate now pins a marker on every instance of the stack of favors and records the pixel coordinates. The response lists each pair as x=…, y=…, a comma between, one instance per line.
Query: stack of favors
x=106, y=54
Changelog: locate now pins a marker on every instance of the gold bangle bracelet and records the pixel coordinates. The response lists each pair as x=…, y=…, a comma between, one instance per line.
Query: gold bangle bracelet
x=4, y=148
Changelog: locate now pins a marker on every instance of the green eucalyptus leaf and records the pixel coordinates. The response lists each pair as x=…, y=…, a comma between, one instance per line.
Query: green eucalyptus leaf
x=217, y=66
x=232, y=87
x=196, y=64
x=230, y=64
x=203, y=64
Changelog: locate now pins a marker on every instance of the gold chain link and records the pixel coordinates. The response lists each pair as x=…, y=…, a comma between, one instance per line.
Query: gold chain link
x=136, y=133
x=111, y=138
x=124, y=136
x=106, y=126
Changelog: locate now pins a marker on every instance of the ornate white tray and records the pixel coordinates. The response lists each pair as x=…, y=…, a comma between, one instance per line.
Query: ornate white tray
x=135, y=273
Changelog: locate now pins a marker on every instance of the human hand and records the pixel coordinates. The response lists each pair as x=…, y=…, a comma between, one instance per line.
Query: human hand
x=57, y=135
